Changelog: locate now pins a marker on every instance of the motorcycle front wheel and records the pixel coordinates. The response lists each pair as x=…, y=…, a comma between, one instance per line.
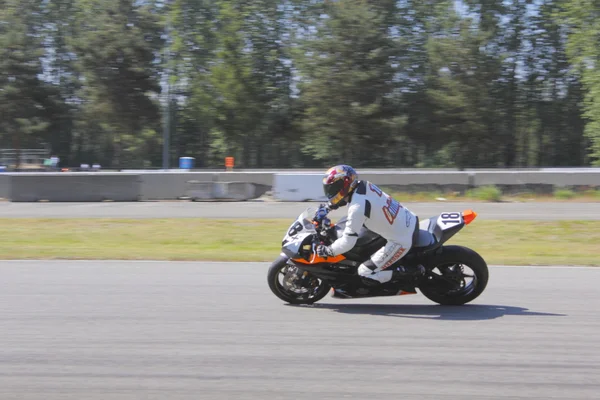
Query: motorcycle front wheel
x=293, y=285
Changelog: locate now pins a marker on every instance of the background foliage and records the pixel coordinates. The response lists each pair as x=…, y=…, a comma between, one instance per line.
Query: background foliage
x=303, y=83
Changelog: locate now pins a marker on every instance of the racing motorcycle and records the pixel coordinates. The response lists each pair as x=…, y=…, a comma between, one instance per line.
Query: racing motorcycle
x=300, y=276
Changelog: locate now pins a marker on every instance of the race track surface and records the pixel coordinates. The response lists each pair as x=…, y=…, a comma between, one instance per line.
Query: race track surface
x=150, y=330
x=506, y=211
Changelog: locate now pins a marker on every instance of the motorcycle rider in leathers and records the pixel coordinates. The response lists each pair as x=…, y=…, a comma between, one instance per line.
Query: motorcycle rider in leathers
x=368, y=205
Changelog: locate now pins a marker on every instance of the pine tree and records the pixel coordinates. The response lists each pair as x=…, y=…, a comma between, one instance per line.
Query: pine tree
x=22, y=93
x=349, y=86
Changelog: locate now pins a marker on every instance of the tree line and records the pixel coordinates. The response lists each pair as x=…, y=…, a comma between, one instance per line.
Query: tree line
x=303, y=83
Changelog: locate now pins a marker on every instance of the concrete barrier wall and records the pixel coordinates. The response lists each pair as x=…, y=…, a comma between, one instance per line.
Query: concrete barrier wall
x=78, y=186
x=235, y=191
x=558, y=179
x=120, y=186
x=536, y=181
x=260, y=178
x=415, y=181
x=288, y=186
x=169, y=185
x=200, y=190
x=309, y=187
x=176, y=184
x=4, y=186
x=418, y=178
x=298, y=187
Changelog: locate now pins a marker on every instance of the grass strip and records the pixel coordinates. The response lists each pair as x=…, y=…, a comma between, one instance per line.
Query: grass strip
x=499, y=242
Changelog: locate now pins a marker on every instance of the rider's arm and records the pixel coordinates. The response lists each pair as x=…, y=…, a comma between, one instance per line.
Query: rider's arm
x=356, y=219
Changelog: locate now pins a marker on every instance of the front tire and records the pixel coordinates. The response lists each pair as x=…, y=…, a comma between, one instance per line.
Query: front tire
x=294, y=288
x=449, y=287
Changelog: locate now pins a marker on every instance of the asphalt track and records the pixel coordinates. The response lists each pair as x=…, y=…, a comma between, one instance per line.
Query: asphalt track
x=155, y=330
x=495, y=211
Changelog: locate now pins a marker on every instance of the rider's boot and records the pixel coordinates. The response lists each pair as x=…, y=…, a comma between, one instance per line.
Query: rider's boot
x=374, y=278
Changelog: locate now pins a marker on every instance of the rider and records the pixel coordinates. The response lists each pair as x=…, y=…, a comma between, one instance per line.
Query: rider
x=377, y=211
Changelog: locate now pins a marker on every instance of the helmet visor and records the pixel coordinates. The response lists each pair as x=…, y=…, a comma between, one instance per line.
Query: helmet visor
x=333, y=191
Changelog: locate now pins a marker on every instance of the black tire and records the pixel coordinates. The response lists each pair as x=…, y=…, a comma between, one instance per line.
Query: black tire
x=287, y=296
x=457, y=255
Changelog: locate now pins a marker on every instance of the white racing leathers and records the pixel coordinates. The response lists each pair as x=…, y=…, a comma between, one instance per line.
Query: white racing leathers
x=380, y=213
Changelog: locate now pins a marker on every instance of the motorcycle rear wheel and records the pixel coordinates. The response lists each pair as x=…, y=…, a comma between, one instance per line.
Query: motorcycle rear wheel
x=449, y=286
x=295, y=289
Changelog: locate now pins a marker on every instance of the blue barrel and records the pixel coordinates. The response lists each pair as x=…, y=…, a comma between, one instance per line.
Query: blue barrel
x=186, y=162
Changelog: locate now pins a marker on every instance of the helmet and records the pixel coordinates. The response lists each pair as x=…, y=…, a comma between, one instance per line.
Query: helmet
x=339, y=182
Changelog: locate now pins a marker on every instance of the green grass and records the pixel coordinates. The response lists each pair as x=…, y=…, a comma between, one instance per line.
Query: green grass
x=499, y=242
x=485, y=193
x=563, y=194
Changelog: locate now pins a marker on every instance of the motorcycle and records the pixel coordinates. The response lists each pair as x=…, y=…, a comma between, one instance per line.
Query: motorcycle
x=300, y=276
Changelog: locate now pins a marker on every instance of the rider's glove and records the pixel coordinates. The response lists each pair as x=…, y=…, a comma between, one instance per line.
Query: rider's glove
x=324, y=251
x=321, y=213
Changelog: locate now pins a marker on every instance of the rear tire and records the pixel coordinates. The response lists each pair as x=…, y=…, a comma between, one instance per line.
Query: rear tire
x=456, y=255
x=314, y=294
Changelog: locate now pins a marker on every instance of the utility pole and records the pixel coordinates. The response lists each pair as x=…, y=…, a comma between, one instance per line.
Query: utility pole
x=167, y=116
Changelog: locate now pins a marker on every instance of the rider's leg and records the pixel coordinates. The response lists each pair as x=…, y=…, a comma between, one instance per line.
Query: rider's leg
x=376, y=267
